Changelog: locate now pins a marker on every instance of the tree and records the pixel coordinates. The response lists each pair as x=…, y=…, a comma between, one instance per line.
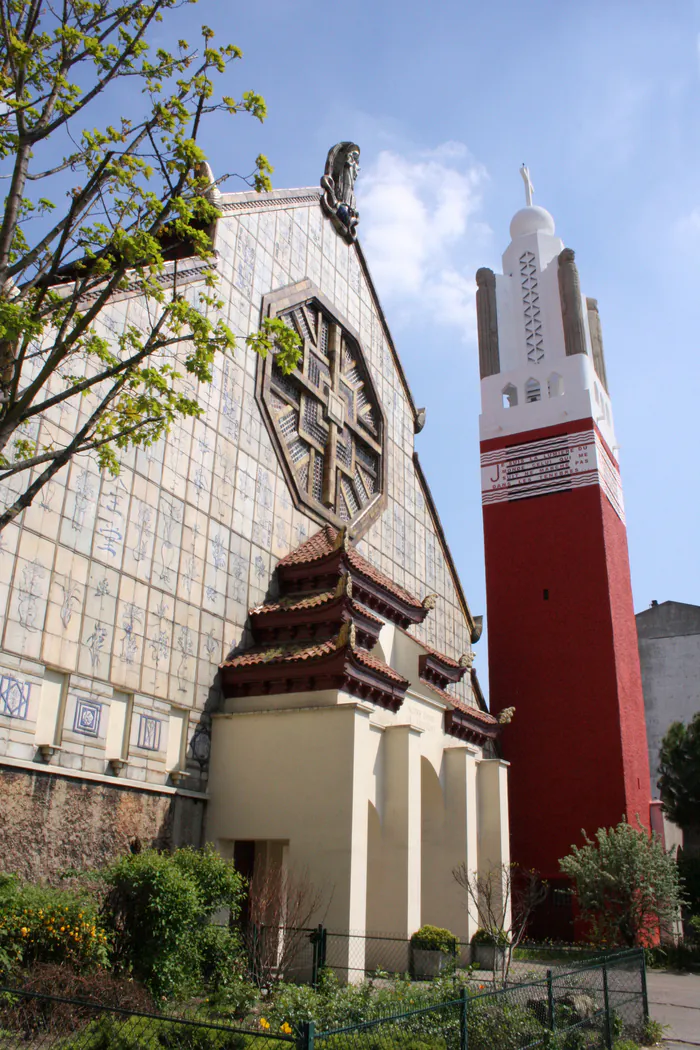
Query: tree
x=503, y=899
x=679, y=766
x=140, y=195
x=626, y=885
x=282, y=905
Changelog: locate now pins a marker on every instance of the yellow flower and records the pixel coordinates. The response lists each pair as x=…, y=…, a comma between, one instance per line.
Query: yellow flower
x=24, y=931
x=286, y=1028
x=264, y=1023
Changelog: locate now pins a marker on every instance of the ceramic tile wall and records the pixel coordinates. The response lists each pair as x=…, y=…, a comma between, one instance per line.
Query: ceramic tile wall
x=142, y=583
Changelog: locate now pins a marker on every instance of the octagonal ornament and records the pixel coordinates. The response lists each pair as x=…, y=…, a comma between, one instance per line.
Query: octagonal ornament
x=325, y=418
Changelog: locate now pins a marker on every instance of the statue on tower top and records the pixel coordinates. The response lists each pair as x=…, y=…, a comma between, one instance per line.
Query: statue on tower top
x=529, y=188
x=338, y=183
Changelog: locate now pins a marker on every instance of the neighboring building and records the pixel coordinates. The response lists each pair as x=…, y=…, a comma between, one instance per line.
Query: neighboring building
x=562, y=639
x=669, y=652
x=350, y=737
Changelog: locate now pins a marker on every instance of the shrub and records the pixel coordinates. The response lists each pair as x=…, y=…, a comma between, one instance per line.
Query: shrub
x=434, y=939
x=627, y=885
x=36, y=1013
x=115, y=1033
x=159, y=907
x=497, y=937
x=652, y=1033
x=501, y=1025
x=42, y=924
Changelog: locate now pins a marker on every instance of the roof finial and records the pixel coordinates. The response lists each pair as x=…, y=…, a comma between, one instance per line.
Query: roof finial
x=529, y=188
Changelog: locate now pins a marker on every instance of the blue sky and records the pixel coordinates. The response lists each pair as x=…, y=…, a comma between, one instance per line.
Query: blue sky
x=601, y=99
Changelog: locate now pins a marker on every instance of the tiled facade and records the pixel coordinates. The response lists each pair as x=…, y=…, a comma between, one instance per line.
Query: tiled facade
x=119, y=597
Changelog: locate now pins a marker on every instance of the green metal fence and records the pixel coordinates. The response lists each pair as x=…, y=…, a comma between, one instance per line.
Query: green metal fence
x=33, y=1021
x=584, y=1009
x=299, y=955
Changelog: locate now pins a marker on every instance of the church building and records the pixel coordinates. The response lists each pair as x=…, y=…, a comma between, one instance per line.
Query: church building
x=562, y=635
x=256, y=635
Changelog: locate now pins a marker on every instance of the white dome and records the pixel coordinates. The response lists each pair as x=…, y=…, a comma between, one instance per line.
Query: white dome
x=532, y=219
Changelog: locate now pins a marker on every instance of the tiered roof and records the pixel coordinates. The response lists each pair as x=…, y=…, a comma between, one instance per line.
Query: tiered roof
x=319, y=633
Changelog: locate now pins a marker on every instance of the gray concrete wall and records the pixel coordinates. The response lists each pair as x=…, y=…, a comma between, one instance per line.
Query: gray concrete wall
x=669, y=651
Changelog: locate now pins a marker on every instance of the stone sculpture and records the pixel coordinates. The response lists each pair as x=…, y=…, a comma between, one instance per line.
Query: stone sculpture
x=338, y=183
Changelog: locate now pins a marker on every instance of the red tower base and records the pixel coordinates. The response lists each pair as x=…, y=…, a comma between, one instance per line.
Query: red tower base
x=563, y=652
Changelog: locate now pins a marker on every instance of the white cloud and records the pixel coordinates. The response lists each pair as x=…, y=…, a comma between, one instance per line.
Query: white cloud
x=417, y=213
x=688, y=226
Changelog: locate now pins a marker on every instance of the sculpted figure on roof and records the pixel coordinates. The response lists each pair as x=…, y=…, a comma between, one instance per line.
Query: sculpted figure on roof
x=338, y=183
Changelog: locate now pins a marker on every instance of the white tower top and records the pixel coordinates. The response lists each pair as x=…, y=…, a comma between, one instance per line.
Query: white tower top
x=540, y=343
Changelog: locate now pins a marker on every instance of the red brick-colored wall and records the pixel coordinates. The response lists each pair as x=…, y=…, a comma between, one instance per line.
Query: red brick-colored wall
x=568, y=663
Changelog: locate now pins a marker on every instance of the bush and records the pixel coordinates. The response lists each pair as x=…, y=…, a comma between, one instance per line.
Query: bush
x=499, y=938
x=115, y=1033
x=501, y=1025
x=434, y=939
x=42, y=924
x=36, y=1013
x=627, y=885
x=159, y=908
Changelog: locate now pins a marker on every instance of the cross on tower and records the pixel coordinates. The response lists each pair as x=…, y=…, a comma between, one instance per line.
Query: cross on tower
x=529, y=188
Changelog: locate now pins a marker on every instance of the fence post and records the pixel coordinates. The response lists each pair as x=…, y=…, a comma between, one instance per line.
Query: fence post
x=550, y=1000
x=645, y=993
x=608, y=1019
x=322, y=954
x=306, y=1035
x=315, y=945
x=463, y=1032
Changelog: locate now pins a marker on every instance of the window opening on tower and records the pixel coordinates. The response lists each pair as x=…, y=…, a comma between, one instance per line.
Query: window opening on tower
x=533, y=391
x=555, y=385
x=510, y=396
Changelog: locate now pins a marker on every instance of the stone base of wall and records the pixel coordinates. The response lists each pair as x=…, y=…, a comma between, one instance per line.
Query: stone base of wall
x=52, y=823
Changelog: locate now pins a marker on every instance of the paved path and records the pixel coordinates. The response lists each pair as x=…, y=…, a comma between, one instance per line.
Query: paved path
x=674, y=1000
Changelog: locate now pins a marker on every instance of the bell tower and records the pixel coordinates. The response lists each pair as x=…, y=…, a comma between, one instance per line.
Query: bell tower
x=561, y=628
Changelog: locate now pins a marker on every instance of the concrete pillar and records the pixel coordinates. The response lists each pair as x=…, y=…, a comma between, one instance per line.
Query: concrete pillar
x=401, y=830
x=494, y=832
x=461, y=833
x=256, y=756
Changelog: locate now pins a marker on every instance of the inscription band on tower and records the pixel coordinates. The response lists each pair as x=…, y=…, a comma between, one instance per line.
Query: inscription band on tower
x=556, y=464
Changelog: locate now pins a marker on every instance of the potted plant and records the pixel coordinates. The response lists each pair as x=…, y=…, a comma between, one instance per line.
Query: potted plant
x=488, y=947
x=432, y=948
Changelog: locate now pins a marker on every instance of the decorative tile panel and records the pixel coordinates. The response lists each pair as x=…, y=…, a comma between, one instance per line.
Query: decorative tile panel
x=87, y=717
x=14, y=697
x=149, y=733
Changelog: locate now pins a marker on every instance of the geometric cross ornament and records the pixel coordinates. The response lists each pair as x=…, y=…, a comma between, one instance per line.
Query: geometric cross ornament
x=325, y=417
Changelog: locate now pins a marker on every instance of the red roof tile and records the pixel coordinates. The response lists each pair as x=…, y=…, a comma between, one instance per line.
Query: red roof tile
x=440, y=656
x=317, y=546
x=293, y=603
x=368, y=570
x=434, y=652
x=281, y=654
x=320, y=546
x=378, y=665
x=474, y=712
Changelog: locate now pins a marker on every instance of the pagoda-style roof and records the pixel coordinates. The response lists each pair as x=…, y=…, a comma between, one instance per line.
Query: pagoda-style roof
x=318, y=561
x=318, y=633
x=338, y=663
x=470, y=723
x=437, y=669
